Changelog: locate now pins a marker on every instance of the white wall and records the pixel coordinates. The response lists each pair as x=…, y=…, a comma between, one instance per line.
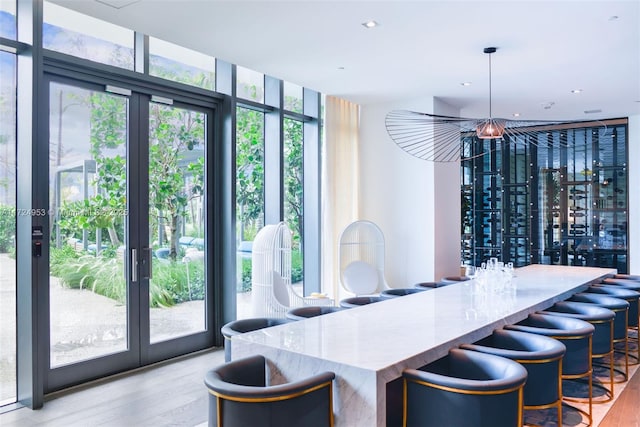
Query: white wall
x=447, y=208
x=416, y=204
x=634, y=195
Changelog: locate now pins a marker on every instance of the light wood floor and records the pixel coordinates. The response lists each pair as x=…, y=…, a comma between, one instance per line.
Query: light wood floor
x=173, y=394
x=625, y=412
x=169, y=394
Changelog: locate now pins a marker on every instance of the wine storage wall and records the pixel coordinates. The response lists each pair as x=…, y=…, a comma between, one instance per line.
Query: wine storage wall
x=556, y=196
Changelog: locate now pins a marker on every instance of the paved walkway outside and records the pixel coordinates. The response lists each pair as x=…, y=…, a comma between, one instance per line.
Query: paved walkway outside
x=7, y=328
x=86, y=325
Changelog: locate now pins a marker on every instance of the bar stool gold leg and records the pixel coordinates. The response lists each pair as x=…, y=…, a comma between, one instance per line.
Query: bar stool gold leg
x=589, y=376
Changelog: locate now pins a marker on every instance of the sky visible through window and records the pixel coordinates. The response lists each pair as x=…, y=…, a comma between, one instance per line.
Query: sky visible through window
x=8, y=19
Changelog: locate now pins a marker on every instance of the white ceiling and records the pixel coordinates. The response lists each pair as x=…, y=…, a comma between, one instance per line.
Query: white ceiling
x=421, y=48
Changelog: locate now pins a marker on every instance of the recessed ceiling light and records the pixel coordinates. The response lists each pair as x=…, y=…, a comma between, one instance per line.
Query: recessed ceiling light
x=592, y=111
x=466, y=83
x=370, y=24
x=576, y=91
x=516, y=114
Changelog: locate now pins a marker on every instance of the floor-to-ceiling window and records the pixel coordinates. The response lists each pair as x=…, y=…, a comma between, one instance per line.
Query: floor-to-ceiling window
x=293, y=185
x=249, y=198
x=7, y=207
x=132, y=197
x=293, y=190
x=277, y=140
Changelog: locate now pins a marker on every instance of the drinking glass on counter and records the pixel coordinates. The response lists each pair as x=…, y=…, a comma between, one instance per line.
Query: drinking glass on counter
x=494, y=277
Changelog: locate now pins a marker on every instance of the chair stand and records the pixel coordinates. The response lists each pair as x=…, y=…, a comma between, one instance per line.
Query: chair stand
x=566, y=400
x=557, y=404
x=637, y=340
x=609, y=393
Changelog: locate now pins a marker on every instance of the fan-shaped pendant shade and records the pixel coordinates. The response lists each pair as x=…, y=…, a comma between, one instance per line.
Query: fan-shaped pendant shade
x=438, y=138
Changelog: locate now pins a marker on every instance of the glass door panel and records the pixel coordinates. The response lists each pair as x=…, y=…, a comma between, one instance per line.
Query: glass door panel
x=176, y=223
x=87, y=211
x=7, y=226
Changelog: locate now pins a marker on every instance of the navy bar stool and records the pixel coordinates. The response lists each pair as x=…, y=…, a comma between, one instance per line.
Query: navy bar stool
x=576, y=335
x=464, y=388
x=453, y=279
x=429, y=285
x=399, y=292
x=602, y=320
x=358, y=301
x=621, y=282
x=542, y=358
x=620, y=308
x=240, y=395
x=301, y=313
x=246, y=325
x=633, y=298
x=627, y=276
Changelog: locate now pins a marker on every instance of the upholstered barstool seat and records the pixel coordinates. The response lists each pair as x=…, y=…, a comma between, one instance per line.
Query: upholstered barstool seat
x=602, y=320
x=399, y=292
x=540, y=355
x=629, y=293
x=633, y=298
x=627, y=276
x=358, y=301
x=300, y=313
x=620, y=308
x=575, y=334
x=633, y=284
x=465, y=388
x=240, y=395
x=453, y=279
x=246, y=325
x=428, y=285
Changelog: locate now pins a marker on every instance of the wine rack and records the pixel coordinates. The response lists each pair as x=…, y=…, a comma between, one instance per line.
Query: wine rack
x=557, y=196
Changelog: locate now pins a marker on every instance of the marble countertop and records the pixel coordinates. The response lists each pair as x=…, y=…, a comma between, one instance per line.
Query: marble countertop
x=377, y=336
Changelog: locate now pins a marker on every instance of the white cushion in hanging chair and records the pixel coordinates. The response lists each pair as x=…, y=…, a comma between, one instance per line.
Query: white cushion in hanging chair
x=280, y=290
x=360, y=277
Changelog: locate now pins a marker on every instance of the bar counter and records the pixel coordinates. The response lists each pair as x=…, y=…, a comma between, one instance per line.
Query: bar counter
x=368, y=347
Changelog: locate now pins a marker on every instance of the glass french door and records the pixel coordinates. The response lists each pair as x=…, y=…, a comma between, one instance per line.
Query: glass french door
x=128, y=283
x=176, y=221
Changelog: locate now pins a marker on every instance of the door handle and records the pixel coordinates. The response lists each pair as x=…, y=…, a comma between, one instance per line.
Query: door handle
x=134, y=265
x=148, y=261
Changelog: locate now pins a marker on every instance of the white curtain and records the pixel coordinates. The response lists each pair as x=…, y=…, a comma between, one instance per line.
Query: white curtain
x=340, y=184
